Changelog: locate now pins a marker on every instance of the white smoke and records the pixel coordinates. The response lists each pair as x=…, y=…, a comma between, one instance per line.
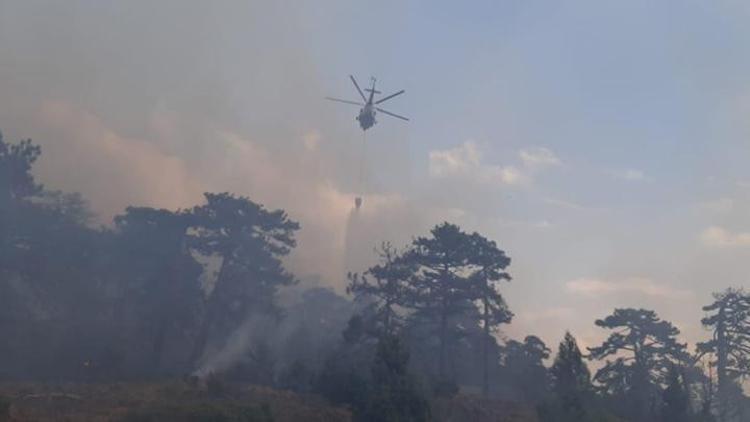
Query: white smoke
x=237, y=348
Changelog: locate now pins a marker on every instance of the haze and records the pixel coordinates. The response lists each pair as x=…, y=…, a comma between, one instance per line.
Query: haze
x=603, y=145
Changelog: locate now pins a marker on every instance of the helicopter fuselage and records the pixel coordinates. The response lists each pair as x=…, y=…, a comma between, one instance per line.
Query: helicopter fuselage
x=366, y=116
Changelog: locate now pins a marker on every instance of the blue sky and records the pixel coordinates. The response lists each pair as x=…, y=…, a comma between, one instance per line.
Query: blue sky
x=642, y=103
x=603, y=144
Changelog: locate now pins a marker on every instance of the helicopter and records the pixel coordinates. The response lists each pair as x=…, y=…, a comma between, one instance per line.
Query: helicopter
x=366, y=115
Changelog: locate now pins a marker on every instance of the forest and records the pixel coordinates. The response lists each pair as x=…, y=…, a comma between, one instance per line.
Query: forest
x=202, y=296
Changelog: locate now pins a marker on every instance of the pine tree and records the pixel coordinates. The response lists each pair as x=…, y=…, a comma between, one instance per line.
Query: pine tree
x=395, y=396
x=491, y=263
x=523, y=366
x=384, y=288
x=729, y=320
x=675, y=399
x=251, y=242
x=454, y=273
x=571, y=380
x=643, y=347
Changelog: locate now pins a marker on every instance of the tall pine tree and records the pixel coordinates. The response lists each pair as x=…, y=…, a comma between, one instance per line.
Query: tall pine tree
x=455, y=274
x=571, y=381
x=644, y=347
x=729, y=321
x=675, y=398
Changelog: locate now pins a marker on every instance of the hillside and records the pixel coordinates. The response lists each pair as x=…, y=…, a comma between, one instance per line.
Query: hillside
x=178, y=401
x=163, y=402
x=475, y=409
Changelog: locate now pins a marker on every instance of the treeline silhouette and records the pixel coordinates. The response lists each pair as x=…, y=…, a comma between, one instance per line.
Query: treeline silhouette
x=203, y=292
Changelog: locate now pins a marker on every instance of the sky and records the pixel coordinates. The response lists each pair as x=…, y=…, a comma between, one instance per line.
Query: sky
x=602, y=144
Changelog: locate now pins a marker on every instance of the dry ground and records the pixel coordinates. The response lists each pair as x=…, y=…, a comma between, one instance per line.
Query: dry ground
x=162, y=402
x=173, y=401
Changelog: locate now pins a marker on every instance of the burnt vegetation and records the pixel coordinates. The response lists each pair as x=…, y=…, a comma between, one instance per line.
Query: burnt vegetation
x=201, y=297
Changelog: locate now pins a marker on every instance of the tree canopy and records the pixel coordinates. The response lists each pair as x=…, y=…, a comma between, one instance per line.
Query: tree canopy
x=206, y=291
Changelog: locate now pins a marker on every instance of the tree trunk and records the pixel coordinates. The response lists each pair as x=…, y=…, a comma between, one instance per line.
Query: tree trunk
x=158, y=344
x=441, y=362
x=163, y=321
x=445, y=291
x=202, y=338
x=721, y=364
x=485, y=351
x=641, y=390
x=208, y=320
x=387, y=322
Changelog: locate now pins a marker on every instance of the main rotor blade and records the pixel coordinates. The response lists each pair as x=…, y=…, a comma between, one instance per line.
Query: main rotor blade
x=391, y=114
x=358, y=90
x=389, y=97
x=344, y=101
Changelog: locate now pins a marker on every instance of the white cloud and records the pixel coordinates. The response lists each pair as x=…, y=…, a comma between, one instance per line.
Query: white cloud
x=548, y=314
x=631, y=175
x=454, y=160
x=537, y=157
x=564, y=204
x=508, y=175
x=721, y=205
x=539, y=224
x=465, y=161
x=593, y=287
x=716, y=236
x=543, y=224
x=570, y=205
